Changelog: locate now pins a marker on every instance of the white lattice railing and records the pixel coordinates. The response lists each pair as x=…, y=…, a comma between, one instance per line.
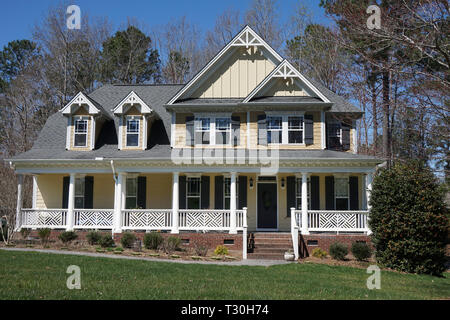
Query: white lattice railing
x=334, y=220
x=209, y=219
x=93, y=218
x=149, y=219
x=44, y=218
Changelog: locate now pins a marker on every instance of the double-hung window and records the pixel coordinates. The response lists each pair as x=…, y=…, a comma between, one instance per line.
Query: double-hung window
x=193, y=192
x=295, y=130
x=298, y=193
x=334, y=134
x=274, y=130
x=341, y=193
x=132, y=131
x=227, y=192
x=81, y=129
x=79, y=193
x=223, y=131
x=131, y=193
x=203, y=128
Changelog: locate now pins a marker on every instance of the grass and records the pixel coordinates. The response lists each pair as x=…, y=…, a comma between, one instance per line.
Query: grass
x=31, y=275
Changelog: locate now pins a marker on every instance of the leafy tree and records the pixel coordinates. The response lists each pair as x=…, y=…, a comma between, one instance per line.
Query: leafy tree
x=128, y=57
x=408, y=219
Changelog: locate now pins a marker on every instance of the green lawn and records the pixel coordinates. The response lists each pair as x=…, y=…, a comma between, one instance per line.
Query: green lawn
x=30, y=275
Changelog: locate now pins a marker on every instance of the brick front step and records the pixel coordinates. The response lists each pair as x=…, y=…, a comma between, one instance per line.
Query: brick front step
x=274, y=242
x=274, y=245
x=269, y=250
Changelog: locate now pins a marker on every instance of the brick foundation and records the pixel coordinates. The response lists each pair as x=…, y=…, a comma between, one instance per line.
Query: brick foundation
x=325, y=240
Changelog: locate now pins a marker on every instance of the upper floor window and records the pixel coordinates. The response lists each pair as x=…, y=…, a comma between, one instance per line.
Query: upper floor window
x=295, y=129
x=81, y=129
x=202, y=130
x=334, y=134
x=274, y=130
x=132, y=132
x=193, y=193
x=223, y=130
x=341, y=193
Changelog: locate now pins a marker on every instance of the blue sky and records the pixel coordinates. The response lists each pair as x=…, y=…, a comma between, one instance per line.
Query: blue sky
x=17, y=17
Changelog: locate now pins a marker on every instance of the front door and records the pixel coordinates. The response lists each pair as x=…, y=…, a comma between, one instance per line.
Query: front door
x=267, y=206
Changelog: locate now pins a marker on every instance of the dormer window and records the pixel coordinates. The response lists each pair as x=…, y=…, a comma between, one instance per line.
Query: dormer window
x=132, y=131
x=81, y=132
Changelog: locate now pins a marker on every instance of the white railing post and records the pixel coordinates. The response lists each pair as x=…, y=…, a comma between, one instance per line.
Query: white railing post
x=117, y=219
x=244, y=234
x=175, y=202
x=71, y=203
x=294, y=233
x=233, y=219
x=304, y=228
x=19, y=202
x=369, y=179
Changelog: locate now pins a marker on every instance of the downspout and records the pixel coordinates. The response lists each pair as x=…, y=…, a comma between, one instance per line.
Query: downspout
x=114, y=171
x=115, y=194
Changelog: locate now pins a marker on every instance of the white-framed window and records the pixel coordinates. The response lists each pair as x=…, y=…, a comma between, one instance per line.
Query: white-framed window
x=334, y=131
x=274, y=130
x=203, y=127
x=131, y=193
x=295, y=130
x=341, y=193
x=132, y=133
x=298, y=193
x=223, y=131
x=79, y=193
x=285, y=128
x=227, y=192
x=81, y=130
x=193, y=193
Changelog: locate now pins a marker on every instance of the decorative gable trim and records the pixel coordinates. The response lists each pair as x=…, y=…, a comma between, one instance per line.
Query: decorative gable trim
x=285, y=70
x=77, y=101
x=246, y=38
x=130, y=100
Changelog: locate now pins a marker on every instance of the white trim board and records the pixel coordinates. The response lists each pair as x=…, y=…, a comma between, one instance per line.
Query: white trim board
x=129, y=101
x=78, y=101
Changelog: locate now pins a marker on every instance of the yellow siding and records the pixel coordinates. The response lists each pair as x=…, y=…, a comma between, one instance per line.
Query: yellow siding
x=159, y=191
x=285, y=88
x=238, y=76
x=103, y=191
x=49, y=192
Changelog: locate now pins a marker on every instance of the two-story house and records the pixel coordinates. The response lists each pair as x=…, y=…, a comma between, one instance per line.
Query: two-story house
x=249, y=146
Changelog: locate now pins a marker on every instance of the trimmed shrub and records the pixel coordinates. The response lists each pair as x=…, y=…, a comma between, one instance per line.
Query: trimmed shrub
x=338, y=251
x=44, y=235
x=127, y=239
x=171, y=244
x=25, y=233
x=106, y=241
x=67, y=236
x=200, y=250
x=153, y=240
x=319, y=253
x=93, y=237
x=361, y=251
x=221, y=250
x=408, y=219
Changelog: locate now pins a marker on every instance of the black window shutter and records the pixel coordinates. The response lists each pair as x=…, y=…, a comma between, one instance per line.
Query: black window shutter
x=345, y=137
x=189, y=131
x=329, y=193
x=315, y=193
x=142, y=192
x=88, y=192
x=182, y=192
x=262, y=130
x=65, y=195
x=354, y=193
x=290, y=192
x=242, y=192
x=236, y=130
x=205, y=192
x=218, y=192
x=309, y=129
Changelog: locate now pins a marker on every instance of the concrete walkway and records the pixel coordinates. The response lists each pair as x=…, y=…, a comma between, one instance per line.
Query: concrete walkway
x=248, y=262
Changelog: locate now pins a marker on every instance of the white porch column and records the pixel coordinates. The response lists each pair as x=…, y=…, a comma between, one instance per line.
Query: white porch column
x=117, y=221
x=233, y=219
x=304, y=228
x=35, y=187
x=19, y=202
x=244, y=234
x=71, y=203
x=175, y=201
x=369, y=178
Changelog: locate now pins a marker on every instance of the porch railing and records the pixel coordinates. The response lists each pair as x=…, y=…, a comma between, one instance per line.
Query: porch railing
x=209, y=220
x=93, y=218
x=44, y=218
x=334, y=220
x=150, y=219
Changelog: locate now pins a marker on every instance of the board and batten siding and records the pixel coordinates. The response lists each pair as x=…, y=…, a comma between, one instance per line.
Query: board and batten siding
x=238, y=76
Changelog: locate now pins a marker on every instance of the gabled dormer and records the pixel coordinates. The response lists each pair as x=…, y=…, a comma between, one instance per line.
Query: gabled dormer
x=134, y=115
x=84, y=116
